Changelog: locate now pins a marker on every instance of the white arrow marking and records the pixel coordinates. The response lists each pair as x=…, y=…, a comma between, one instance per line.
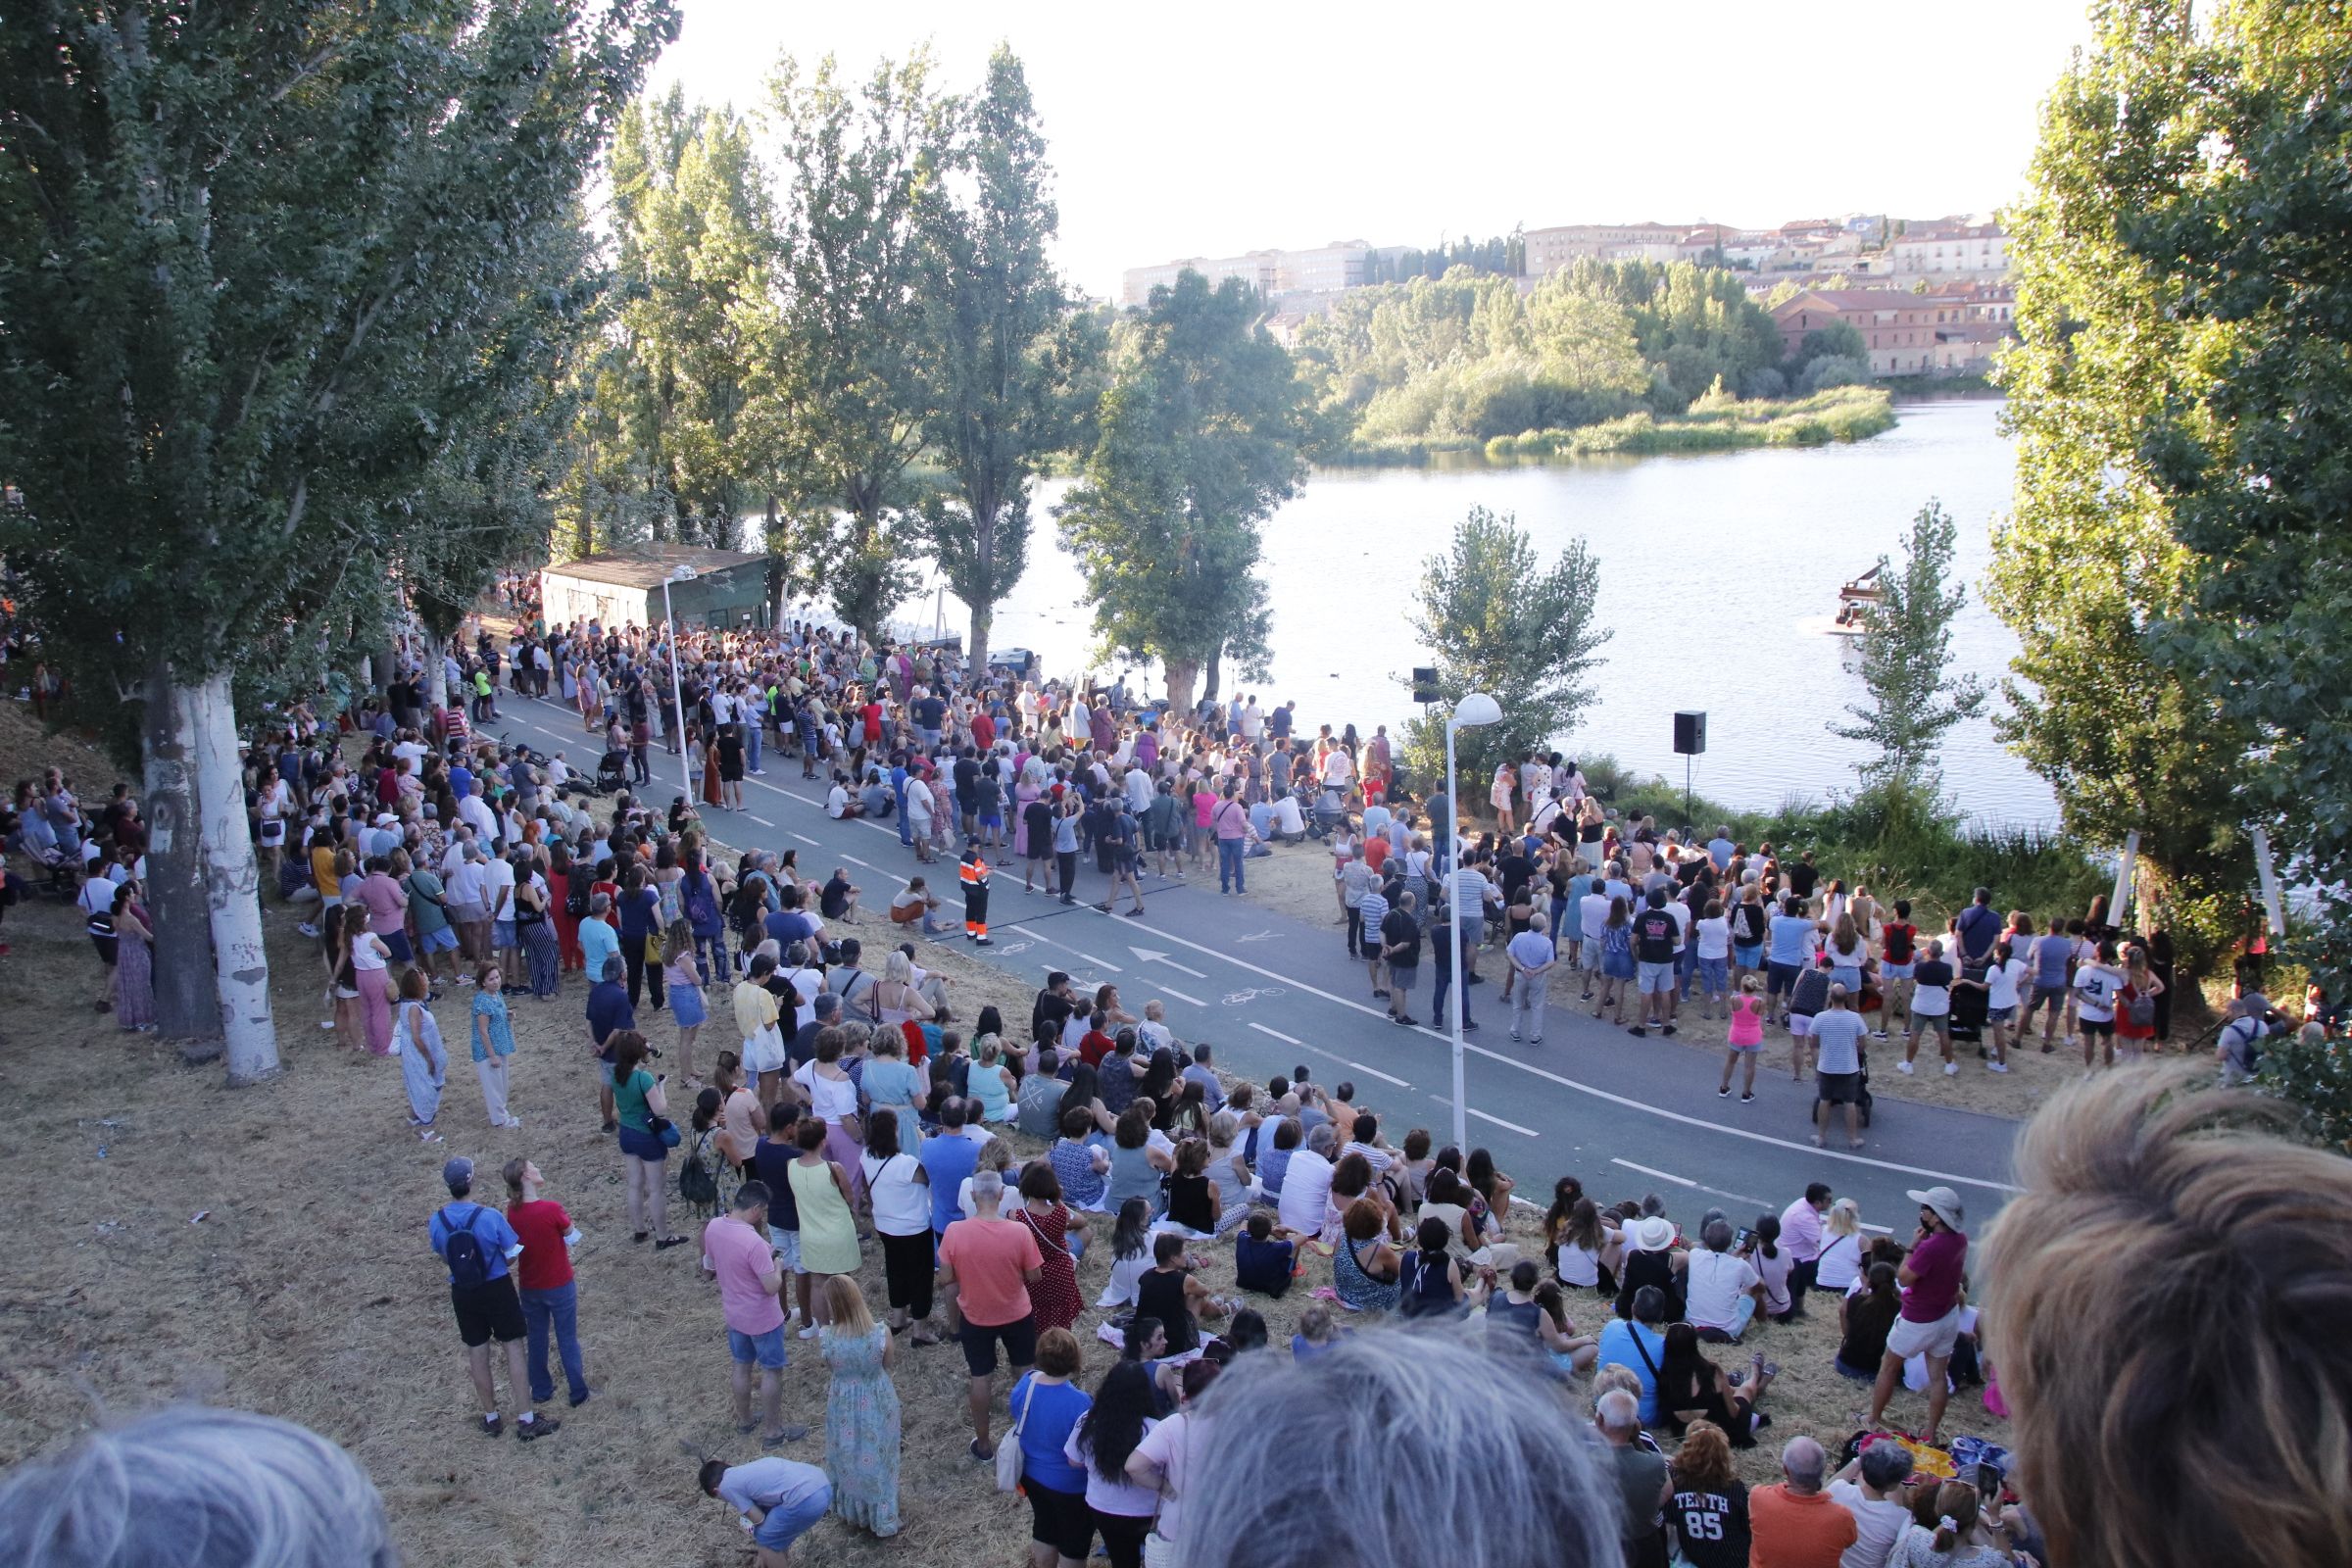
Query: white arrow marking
x=1257, y=936
x=1149, y=957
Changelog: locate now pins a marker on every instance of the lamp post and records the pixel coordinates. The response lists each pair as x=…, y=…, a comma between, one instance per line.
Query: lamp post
x=678, y=695
x=1474, y=709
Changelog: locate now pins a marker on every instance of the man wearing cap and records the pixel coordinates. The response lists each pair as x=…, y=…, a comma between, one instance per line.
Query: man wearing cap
x=1932, y=1277
x=479, y=1247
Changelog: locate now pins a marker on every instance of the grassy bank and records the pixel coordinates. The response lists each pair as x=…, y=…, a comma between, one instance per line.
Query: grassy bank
x=1899, y=850
x=1711, y=424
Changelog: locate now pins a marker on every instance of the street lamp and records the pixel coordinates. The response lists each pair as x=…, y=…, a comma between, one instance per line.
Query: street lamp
x=1474, y=709
x=677, y=696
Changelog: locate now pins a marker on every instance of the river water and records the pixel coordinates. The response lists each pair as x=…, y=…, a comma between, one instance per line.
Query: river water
x=1719, y=578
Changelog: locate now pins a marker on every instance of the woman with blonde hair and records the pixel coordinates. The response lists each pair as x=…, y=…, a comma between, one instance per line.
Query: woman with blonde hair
x=1845, y=1250
x=900, y=1001
x=861, y=1411
x=990, y=1083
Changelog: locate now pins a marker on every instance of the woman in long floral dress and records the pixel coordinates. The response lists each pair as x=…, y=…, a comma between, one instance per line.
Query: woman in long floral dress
x=861, y=1411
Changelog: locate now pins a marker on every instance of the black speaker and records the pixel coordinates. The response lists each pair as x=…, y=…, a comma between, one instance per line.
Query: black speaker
x=1425, y=683
x=1690, y=733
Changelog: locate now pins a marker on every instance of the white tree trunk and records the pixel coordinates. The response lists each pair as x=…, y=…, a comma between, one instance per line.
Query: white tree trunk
x=232, y=885
x=185, y=1008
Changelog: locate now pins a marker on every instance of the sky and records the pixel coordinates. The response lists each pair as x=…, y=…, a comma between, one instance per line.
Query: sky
x=1180, y=131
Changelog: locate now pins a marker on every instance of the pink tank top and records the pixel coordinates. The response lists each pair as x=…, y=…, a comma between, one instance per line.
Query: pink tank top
x=1748, y=1021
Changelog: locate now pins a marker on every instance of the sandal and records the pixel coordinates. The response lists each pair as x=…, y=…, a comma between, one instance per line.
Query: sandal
x=668, y=1242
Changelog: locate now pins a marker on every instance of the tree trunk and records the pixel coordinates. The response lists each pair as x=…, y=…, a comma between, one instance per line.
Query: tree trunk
x=1181, y=673
x=976, y=656
x=1216, y=668
x=185, y=1007
x=231, y=884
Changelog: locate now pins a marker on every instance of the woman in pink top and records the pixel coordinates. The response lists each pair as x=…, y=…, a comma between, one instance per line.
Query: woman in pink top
x=1745, y=1040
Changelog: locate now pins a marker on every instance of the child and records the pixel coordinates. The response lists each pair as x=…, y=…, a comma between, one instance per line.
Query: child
x=1130, y=1252
x=683, y=974
x=1261, y=1262
x=1745, y=1040
x=424, y=1063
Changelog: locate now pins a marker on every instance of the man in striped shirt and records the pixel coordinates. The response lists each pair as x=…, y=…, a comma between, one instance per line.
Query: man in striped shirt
x=1370, y=913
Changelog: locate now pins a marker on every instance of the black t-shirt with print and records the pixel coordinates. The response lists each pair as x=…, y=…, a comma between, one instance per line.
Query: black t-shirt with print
x=1656, y=936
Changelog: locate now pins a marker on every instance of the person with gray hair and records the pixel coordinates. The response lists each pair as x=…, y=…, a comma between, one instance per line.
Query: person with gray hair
x=992, y=1262
x=1475, y=1464
x=1794, y=1523
x=1722, y=1291
x=193, y=1488
x=1643, y=1480
x=1306, y=1184
x=1871, y=1488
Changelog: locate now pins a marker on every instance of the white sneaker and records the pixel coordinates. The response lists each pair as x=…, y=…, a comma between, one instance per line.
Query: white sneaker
x=1951, y=1069
x=809, y=1332
x=326, y=1023
x=1997, y=1066
x=1903, y=1067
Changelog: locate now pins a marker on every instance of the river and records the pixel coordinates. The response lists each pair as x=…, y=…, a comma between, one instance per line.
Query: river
x=1719, y=578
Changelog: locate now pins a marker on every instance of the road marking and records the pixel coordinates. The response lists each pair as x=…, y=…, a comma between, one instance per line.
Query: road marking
x=805, y=839
x=1257, y=936
x=1149, y=957
x=853, y=860
x=1527, y=1131
x=1171, y=991
x=1038, y=936
x=1629, y=1103
x=1288, y=1040
x=762, y=820
x=1370, y=1073
x=1685, y=1181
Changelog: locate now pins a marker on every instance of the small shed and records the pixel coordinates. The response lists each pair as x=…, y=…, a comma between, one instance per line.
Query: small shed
x=727, y=588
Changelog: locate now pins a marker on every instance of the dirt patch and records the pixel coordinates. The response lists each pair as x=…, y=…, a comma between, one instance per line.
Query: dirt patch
x=266, y=1249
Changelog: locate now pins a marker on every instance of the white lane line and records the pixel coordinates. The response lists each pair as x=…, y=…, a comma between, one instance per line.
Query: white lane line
x=853, y=860
x=805, y=839
x=762, y=820
x=1171, y=991
x=1628, y=1103
x=1528, y=1132
x=1333, y=1055
x=1038, y=936
x=1685, y=1181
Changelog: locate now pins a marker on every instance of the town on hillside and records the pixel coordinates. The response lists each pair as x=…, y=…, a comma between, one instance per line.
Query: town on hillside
x=1930, y=298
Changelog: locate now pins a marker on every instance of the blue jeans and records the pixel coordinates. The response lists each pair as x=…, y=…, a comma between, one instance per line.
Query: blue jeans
x=906, y=829
x=558, y=1308
x=1229, y=865
x=713, y=949
x=784, y=1526
x=751, y=746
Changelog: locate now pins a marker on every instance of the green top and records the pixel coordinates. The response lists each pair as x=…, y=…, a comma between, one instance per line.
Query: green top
x=629, y=1101
x=424, y=902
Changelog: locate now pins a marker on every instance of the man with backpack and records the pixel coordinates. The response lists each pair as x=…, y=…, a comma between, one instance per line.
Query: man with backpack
x=478, y=1246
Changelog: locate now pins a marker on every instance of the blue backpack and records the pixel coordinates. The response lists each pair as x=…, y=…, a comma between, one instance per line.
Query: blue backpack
x=468, y=1258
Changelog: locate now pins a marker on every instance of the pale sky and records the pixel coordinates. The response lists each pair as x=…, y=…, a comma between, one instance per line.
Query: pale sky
x=1208, y=131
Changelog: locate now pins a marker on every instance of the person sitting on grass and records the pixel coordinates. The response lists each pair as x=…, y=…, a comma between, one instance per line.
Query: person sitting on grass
x=1692, y=1387
x=1263, y=1262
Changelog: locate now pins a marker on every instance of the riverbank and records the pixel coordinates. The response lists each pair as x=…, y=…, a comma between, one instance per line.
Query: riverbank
x=1844, y=414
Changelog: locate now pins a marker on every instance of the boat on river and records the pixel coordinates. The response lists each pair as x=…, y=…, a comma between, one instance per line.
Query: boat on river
x=1854, y=598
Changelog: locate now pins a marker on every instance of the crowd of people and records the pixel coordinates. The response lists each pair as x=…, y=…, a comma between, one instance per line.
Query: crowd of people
x=853, y=1111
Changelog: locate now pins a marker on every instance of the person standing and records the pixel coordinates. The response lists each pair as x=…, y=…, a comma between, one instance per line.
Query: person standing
x=543, y=1275
x=493, y=1036
x=1399, y=938
x=778, y=1499
x=974, y=873
x=1532, y=957
x=861, y=1411
x=992, y=1262
x=1837, y=1067
x=736, y=1253
x=423, y=1062
x=478, y=1246
x=1932, y=1277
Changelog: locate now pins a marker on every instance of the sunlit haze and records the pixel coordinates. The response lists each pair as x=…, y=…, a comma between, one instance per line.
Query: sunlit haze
x=1191, y=132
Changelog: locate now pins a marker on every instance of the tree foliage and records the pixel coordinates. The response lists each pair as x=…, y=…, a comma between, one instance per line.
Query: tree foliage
x=856, y=357
x=1007, y=346
x=1914, y=698
x=1465, y=355
x=1499, y=621
x=2175, y=424
x=1199, y=441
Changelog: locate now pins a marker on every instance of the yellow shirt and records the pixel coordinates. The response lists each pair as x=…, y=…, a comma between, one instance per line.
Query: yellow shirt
x=323, y=872
x=754, y=1008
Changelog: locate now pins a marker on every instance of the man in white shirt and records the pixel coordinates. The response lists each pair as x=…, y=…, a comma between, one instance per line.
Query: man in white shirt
x=461, y=890
x=1306, y=1186
x=1723, y=1289
x=1593, y=910
x=498, y=896
x=1871, y=1490
x=474, y=811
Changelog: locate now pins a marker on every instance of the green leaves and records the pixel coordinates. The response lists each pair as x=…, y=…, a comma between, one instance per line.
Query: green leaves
x=1200, y=437
x=1500, y=623
x=1906, y=662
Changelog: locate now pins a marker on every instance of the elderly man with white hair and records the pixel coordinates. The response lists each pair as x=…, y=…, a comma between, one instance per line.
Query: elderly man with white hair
x=1432, y=1450
x=1644, y=1482
x=992, y=1262
x=1794, y=1523
x=192, y=1487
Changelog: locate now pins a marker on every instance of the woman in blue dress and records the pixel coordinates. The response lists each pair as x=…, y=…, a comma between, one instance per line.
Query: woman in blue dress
x=861, y=1411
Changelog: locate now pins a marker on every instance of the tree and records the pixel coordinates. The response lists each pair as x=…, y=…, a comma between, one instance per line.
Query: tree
x=266, y=270
x=1200, y=438
x=695, y=246
x=856, y=358
x=2167, y=393
x=1914, y=698
x=1500, y=623
x=1007, y=347
x=1841, y=340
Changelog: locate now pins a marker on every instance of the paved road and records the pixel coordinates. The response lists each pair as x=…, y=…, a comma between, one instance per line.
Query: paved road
x=1271, y=993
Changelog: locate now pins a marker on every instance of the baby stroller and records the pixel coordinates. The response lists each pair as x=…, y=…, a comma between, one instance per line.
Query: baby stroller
x=612, y=773
x=1968, y=1007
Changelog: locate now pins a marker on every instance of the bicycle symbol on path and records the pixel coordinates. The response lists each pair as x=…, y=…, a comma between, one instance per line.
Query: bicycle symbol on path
x=1236, y=999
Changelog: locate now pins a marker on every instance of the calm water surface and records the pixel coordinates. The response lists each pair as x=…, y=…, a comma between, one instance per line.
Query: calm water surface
x=1718, y=575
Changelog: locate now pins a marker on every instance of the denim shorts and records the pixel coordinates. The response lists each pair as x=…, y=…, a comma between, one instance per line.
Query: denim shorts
x=765, y=1348
x=1748, y=954
x=784, y=1526
x=1780, y=978
x=1714, y=976
x=444, y=940
x=788, y=1249
x=1895, y=971
x=1999, y=1014
x=502, y=933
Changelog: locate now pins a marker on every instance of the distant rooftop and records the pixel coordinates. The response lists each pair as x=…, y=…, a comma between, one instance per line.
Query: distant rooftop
x=646, y=567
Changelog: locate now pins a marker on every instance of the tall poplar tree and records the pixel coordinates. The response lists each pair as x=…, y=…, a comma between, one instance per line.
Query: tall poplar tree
x=266, y=269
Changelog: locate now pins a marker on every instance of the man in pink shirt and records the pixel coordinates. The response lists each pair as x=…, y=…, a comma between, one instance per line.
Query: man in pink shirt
x=387, y=904
x=737, y=1254
x=992, y=1262
x=1800, y=1233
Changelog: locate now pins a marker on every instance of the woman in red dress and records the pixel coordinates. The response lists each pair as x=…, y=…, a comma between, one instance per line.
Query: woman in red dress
x=1054, y=1297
